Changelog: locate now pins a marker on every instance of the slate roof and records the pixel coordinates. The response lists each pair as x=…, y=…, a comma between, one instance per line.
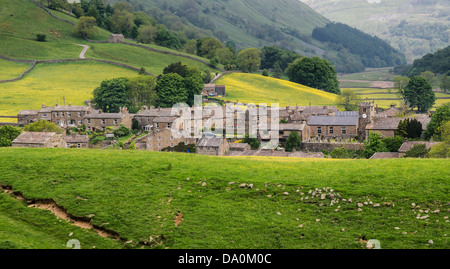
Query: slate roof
x=407, y=145
x=347, y=114
x=97, y=115
x=28, y=112
x=34, y=137
x=210, y=142
x=239, y=145
x=164, y=119
x=384, y=123
x=70, y=108
x=333, y=121
x=156, y=112
x=290, y=127
x=76, y=138
x=385, y=155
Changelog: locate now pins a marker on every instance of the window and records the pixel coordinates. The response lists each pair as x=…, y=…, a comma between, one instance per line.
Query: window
x=44, y=115
x=331, y=130
x=159, y=145
x=69, y=114
x=68, y=145
x=149, y=145
x=103, y=121
x=319, y=130
x=78, y=145
x=159, y=138
x=157, y=125
x=115, y=122
x=171, y=138
x=57, y=122
x=79, y=114
x=79, y=122
x=62, y=114
x=171, y=144
x=89, y=121
x=344, y=130
x=168, y=125
x=149, y=138
x=103, y=128
x=56, y=114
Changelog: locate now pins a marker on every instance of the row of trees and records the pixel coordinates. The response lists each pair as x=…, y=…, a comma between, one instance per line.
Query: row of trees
x=178, y=84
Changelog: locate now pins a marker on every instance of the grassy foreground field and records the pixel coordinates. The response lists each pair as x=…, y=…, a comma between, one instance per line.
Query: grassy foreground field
x=254, y=88
x=188, y=201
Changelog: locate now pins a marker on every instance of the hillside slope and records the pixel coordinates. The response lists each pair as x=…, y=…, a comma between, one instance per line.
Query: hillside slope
x=415, y=27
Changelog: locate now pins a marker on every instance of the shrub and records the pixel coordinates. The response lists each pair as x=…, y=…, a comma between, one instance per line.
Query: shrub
x=265, y=73
x=340, y=153
x=41, y=37
x=393, y=143
x=122, y=131
x=418, y=151
x=439, y=151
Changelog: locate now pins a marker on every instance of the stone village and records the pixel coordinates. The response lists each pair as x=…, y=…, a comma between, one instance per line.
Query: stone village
x=318, y=127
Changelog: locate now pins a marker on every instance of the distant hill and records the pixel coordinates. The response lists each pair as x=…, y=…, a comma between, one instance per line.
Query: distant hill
x=415, y=27
x=286, y=23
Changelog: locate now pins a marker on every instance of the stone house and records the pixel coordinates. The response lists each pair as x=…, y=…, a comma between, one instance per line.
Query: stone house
x=116, y=38
x=285, y=129
x=333, y=126
x=39, y=140
x=62, y=116
x=77, y=141
x=99, y=120
x=214, y=146
x=25, y=117
x=240, y=146
x=160, y=139
x=146, y=116
x=213, y=90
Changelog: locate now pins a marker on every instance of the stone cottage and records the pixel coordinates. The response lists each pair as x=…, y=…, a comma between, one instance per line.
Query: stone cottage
x=39, y=140
x=215, y=146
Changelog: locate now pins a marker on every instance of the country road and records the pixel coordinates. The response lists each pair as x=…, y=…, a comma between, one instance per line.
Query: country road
x=83, y=51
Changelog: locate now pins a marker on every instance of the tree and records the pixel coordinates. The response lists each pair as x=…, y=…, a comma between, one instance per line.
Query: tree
x=86, y=26
x=442, y=150
x=147, y=34
x=8, y=134
x=314, y=72
x=348, y=100
x=400, y=85
x=373, y=144
x=253, y=142
x=112, y=95
x=419, y=93
x=445, y=83
x=41, y=37
x=277, y=71
x=171, y=90
x=43, y=126
x=409, y=128
x=417, y=151
x=293, y=141
x=441, y=115
x=141, y=91
x=122, y=21
x=208, y=46
x=393, y=143
x=249, y=59
x=428, y=76
x=122, y=131
x=265, y=73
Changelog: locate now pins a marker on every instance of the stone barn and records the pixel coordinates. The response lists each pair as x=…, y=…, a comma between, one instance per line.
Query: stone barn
x=116, y=38
x=39, y=140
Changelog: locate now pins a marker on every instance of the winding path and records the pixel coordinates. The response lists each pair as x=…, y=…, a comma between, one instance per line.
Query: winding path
x=86, y=47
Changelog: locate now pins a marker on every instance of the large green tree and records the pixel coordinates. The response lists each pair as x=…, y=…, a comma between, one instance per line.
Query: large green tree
x=86, y=26
x=373, y=144
x=8, y=134
x=348, y=100
x=171, y=90
x=111, y=95
x=440, y=116
x=141, y=91
x=419, y=93
x=314, y=72
x=249, y=59
x=292, y=142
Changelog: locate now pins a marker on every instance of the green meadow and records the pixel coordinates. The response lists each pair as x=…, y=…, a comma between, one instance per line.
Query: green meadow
x=189, y=201
x=254, y=88
x=51, y=83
